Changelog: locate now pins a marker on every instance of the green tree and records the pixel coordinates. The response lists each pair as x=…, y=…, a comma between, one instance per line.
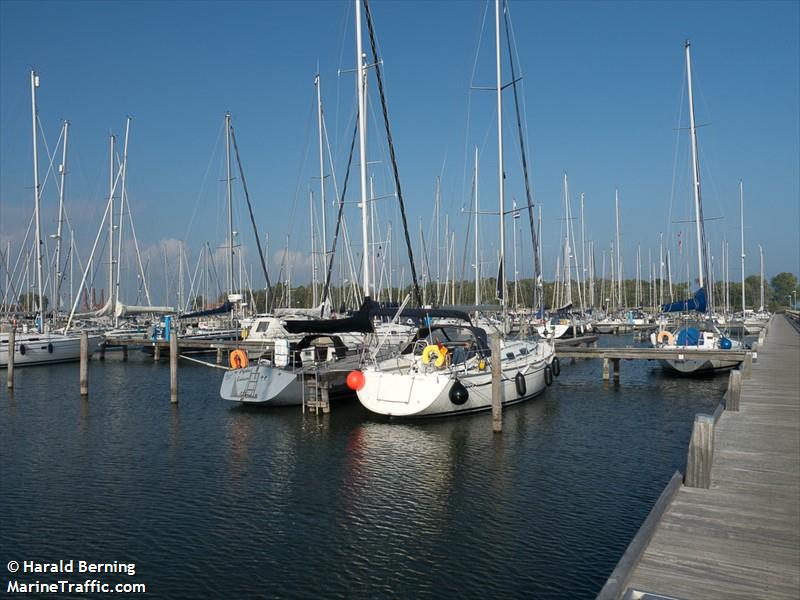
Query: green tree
x=784, y=287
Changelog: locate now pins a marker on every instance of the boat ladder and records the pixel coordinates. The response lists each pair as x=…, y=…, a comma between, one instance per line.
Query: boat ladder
x=251, y=384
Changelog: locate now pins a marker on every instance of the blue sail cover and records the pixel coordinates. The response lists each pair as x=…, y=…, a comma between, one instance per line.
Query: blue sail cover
x=697, y=303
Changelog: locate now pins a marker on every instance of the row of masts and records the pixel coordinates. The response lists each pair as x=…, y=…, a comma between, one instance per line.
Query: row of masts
x=373, y=284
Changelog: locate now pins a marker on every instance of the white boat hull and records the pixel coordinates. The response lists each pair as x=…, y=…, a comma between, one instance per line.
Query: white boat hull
x=428, y=394
x=691, y=366
x=262, y=384
x=40, y=349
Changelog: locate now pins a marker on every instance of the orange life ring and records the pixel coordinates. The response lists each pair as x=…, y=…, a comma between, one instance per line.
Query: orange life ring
x=665, y=337
x=238, y=359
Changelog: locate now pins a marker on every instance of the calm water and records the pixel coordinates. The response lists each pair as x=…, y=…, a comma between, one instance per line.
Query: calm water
x=210, y=499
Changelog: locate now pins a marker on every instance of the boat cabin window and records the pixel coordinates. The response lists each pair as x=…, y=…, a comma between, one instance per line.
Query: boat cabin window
x=262, y=326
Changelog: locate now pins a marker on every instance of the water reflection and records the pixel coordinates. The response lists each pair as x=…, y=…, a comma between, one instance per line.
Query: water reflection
x=216, y=499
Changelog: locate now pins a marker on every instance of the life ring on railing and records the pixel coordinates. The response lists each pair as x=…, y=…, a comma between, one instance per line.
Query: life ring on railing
x=238, y=359
x=432, y=351
x=665, y=337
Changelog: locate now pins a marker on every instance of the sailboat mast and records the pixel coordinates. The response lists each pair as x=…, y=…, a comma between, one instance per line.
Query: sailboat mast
x=761, y=254
x=619, y=255
x=121, y=216
x=318, y=83
x=63, y=169
x=477, y=258
x=695, y=168
x=361, y=82
x=230, y=199
x=111, y=186
x=741, y=217
x=501, y=175
x=37, y=200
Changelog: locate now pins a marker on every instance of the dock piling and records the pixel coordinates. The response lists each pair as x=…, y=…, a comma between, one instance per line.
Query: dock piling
x=125, y=353
x=747, y=365
x=156, y=352
x=173, y=367
x=606, y=376
x=497, y=384
x=734, y=391
x=615, y=361
x=84, y=367
x=701, y=453
x=219, y=356
x=11, y=352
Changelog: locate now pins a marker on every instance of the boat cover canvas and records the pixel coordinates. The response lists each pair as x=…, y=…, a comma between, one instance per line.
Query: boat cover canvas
x=697, y=303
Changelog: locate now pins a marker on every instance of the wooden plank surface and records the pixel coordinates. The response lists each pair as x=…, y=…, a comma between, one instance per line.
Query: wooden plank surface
x=741, y=537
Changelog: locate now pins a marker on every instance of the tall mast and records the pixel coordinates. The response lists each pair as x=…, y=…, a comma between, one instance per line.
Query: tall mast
x=361, y=82
x=619, y=255
x=438, y=244
x=111, y=222
x=741, y=216
x=313, y=249
x=230, y=199
x=567, y=249
x=37, y=201
x=63, y=169
x=121, y=214
x=318, y=83
x=477, y=259
x=761, y=254
x=501, y=175
x=583, y=256
x=695, y=169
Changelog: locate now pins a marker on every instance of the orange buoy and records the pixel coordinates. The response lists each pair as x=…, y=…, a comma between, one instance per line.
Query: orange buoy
x=355, y=380
x=238, y=359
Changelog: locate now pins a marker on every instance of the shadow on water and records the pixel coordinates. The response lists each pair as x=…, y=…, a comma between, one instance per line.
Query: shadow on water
x=211, y=498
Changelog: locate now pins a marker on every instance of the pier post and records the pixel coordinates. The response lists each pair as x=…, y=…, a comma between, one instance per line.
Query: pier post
x=747, y=365
x=84, y=368
x=615, y=361
x=102, y=351
x=734, y=391
x=497, y=384
x=701, y=453
x=605, y=370
x=11, y=352
x=125, y=353
x=156, y=352
x=173, y=367
x=219, y=356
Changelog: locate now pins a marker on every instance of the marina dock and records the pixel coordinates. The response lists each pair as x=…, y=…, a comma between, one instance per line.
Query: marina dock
x=740, y=538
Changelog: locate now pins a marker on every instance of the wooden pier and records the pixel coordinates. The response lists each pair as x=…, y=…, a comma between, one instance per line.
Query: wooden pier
x=740, y=536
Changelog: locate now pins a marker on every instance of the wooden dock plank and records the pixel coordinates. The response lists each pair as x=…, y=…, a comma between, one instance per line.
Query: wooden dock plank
x=741, y=537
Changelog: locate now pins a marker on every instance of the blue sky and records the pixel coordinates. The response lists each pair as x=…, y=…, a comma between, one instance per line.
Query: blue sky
x=604, y=91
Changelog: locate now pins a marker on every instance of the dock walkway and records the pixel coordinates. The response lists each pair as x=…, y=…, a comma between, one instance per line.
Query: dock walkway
x=741, y=537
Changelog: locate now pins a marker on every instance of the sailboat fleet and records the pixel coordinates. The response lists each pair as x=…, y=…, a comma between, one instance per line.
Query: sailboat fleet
x=425, y=361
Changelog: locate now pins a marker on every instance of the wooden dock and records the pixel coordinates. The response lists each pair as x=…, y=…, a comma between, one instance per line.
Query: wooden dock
x=741, y=537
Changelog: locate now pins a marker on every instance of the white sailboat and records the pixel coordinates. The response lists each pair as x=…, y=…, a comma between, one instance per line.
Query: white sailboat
x=445, y=369
x=700, y=332
x=41, y=346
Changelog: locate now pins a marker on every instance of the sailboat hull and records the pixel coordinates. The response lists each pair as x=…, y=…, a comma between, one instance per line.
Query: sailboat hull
x=41, y=349
x=430, y=394
x=692, y=366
